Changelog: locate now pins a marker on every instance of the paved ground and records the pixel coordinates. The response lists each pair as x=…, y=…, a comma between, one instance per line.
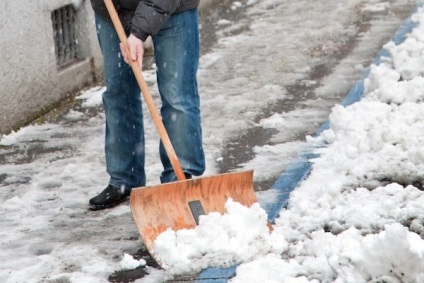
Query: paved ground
x=241, y=146
x=331, y=68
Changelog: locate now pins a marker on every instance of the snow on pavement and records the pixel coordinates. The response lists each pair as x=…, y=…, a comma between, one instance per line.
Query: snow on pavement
x=341, y=223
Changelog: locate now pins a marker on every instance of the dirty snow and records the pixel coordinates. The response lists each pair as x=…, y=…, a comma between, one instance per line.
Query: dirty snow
x=357, y=218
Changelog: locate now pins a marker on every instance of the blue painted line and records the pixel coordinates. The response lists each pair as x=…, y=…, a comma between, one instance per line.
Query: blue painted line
x=216, y=275
x=300, y=168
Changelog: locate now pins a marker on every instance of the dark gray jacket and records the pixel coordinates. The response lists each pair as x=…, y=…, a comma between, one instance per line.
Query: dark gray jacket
x=144, y=17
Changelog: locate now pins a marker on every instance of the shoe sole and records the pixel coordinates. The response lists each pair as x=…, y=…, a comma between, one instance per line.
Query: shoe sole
x=94, y=207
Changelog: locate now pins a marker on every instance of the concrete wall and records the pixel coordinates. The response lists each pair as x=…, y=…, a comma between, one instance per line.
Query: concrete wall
x=30, y=80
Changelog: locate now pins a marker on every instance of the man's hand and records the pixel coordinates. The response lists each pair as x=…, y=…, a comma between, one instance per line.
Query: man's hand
x=135, y=49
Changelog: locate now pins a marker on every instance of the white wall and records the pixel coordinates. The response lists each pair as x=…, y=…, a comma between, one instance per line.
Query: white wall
x=30, y=81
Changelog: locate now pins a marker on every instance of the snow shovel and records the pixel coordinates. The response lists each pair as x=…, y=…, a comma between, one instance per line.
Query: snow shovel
x=178, y=205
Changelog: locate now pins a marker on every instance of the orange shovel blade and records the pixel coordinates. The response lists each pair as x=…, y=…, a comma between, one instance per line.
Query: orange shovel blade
x=178, y=205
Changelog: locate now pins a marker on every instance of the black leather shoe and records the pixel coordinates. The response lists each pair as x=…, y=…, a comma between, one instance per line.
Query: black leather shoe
x=110, y=197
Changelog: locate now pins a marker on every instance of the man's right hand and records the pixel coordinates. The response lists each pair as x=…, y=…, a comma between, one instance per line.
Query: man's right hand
x=135, y=49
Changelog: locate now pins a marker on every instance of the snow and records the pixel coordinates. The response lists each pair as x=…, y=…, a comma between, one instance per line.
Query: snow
x=358, y=217
x=128, y=262
x=76, y=3
x=220, y=240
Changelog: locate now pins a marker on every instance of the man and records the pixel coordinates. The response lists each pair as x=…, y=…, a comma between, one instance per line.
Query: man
x=173, y=26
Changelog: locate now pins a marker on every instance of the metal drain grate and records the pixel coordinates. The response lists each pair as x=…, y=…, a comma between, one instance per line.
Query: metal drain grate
x=64, y=28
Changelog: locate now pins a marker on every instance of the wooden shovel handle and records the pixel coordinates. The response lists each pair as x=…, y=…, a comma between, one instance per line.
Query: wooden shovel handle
x=146, y=94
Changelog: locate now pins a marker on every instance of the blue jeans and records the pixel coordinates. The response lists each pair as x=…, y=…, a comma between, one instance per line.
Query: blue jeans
x=176, y=49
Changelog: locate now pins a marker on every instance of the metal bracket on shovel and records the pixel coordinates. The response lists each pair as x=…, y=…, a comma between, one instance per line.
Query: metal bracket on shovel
x=178, y=205
x=196, y=209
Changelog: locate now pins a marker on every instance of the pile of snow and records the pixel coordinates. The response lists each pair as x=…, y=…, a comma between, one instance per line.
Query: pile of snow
x=357, y=218
x=240, y=235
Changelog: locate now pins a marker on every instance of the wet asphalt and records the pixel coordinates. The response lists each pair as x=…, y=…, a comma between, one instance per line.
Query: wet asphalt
x=239, y=147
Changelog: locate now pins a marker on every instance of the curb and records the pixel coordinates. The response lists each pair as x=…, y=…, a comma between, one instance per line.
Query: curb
x=300, y=168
